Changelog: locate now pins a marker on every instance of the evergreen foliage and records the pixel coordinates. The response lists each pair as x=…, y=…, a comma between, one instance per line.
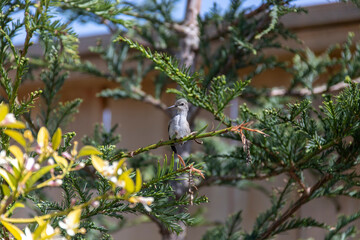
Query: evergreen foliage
x=308, y=136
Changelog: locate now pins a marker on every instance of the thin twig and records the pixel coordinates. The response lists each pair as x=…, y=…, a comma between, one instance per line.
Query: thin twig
x=226, y=29
x=228, y=178
x=147, y=98
x=294, y=207
x=294, y=176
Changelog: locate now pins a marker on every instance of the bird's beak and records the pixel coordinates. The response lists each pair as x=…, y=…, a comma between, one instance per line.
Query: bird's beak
x=171, y=106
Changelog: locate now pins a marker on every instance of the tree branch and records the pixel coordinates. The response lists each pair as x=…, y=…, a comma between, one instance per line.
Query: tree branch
x=226, y=29
x=148, y=98
x=294, y=207
x=210, y=180
x=196, y=135
x=301, y=92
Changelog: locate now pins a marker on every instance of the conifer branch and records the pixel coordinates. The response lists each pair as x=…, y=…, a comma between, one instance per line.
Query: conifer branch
x=294, y=207
x=196, y=135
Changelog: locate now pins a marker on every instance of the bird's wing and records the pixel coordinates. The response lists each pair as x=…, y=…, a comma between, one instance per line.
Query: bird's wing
x=188, y=131
x=169, y=127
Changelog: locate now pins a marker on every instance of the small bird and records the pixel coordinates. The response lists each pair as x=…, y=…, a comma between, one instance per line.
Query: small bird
x=179, y=128
x=178, y=125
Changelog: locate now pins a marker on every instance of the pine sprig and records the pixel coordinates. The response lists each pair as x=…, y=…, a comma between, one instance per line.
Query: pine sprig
x=102, y=10
x=299, y=223
x=215, y=99
x=230, y=230
x=341, y=223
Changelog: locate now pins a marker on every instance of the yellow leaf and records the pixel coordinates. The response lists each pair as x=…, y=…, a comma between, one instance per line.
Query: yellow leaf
x=120, y=163
x=16, y=168
x=88, y=150
x=28, y=135
x=19, y=155
x=40, y=229
x=16, y=124
x=98, y=163
x=14, y=230
x=5, y=189
x=9, y=178
x=43, y=137
x=4, y=110
x=129, y=183
x=13, y=207
x=74, y=217
x=18, y=137
x=37, y=175
x=61, y=161
x=138, y=181
x=56, y=139
x=25, y=178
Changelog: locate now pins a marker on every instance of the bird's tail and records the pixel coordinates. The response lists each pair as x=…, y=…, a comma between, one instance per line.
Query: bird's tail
x=174, y=149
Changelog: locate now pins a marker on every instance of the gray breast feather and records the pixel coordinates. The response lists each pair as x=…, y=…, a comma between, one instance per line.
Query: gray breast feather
x=178, y=127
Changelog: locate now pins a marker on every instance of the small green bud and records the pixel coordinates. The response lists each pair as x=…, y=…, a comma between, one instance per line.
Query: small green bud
x=347, y=80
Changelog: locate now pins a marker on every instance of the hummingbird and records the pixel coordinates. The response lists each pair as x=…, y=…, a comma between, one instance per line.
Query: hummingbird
x=179, y=126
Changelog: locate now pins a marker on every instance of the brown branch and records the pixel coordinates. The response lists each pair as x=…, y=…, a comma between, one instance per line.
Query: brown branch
x=189, y=42
x=212, y=179
x=147, y=98
x=209, y=180
x=306, y=92
x=294, y=176
x=226, y=29
x=170, y=25
x=163, y=230
x=294, y=207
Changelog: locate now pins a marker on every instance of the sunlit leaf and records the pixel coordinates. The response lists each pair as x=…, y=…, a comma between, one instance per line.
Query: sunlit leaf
x=15, y=167
x=74, y=217
x=129, y=183
x=4, y=109
x=138, y=181
x=56, y=139
x=98, y=163
x=37, y=175
x=40, y=229
x=88, y=150
x=43, y=137
x=16, y=124
x=18, y=137
x=25, y=178
x=120, y=163
x=19, y=155
x=28, y=135
x=5, y=189
x=9, y=178
x=61, y=161
x=13, y=207
x=14, y=230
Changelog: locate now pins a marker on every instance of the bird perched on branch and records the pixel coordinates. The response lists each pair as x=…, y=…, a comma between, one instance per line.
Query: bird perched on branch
x=178, y=125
